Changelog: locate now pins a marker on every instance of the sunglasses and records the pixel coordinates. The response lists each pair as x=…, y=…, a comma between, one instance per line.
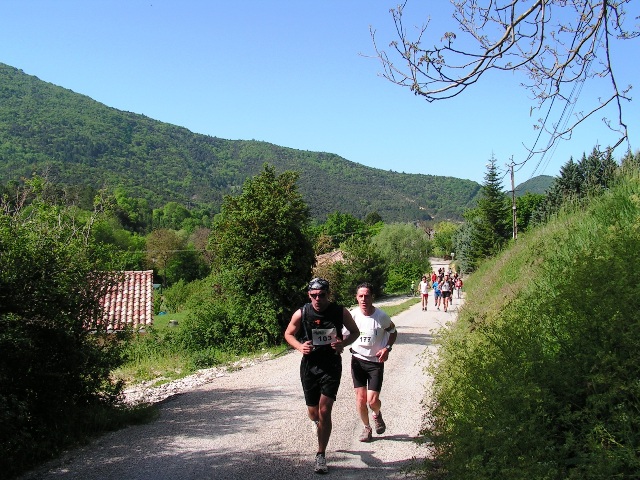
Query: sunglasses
x=318, y=295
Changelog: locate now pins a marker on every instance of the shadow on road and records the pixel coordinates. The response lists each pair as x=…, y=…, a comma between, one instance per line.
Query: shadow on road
x=416, y=338
x=375, y=468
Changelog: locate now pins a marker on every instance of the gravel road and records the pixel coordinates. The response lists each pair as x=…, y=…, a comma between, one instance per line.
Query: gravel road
x=252, y=423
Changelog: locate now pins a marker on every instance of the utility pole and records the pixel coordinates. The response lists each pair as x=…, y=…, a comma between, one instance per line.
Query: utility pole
x=513, y=202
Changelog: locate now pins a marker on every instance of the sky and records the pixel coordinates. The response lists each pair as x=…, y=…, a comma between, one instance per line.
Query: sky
x=298, y=74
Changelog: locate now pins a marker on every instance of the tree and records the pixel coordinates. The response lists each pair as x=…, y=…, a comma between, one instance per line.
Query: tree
x=526, y=206
x=258, y=243
x=405, y=250
x=466, y=260
x=172, y=215
x=597, y=171
x=444, y=233
x=372, y=218
x=133, y=213
x=590, y=176
x=163, y=245
x=199, y=239
x=556, y=43
x=403, y=242
x=342, y=226
x=55, y=359
x=362, y=263
x=493, y=214
x=631, y=160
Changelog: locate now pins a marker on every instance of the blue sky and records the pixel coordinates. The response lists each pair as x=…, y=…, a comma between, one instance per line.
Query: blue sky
x=293, y=73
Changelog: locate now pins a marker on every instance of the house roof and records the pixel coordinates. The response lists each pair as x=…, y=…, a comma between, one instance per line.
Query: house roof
x=329, y=258
x=129, y=300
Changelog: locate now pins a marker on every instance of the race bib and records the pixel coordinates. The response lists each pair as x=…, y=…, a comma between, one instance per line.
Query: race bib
x=323, y=336
x=367, y=338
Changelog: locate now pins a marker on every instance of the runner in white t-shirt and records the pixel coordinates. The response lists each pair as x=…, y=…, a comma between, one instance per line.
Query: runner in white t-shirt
x=424, y=291
x=369, y=352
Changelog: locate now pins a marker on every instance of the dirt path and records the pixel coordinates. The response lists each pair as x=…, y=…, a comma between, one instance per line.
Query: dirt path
x=252, y=424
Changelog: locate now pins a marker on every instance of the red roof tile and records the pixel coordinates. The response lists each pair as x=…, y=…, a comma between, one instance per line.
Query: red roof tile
x=129, y=301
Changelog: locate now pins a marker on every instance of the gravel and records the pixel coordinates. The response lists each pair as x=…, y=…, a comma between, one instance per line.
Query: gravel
x=249, y=421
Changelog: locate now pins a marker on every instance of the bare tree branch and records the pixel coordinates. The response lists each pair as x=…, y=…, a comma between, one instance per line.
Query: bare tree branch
x=557, y=44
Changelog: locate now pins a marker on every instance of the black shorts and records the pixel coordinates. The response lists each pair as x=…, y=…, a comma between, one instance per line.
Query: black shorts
x=446, y=294
x=320, y=376
x=367, y=374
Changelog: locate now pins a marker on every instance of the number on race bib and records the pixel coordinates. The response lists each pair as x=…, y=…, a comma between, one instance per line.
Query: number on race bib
x=323, y=336
x=367, y=339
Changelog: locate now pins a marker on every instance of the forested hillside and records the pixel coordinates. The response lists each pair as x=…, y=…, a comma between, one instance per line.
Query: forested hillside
x=74, y=140
x=539, y=185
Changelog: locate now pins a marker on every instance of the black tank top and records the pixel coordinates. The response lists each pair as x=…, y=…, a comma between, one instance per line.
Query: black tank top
x=329, y=318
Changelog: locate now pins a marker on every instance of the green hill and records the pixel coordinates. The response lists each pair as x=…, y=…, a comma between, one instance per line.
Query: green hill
x=539, y=184
x=75, y=140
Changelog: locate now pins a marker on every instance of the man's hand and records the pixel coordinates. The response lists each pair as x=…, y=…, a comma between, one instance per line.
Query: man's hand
x=338, y=346
x=383, y=355
x=306, y=348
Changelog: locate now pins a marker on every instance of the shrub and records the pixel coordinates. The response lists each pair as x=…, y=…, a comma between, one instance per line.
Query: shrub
x=401, y=275
x=539, y=376
x=54, y=359
x=241, y=323
x=176, y=296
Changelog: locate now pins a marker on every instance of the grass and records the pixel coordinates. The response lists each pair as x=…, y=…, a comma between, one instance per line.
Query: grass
x=162, y=321
x=393, y=310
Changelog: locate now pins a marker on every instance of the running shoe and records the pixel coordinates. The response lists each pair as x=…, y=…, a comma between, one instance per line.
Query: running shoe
x=321, y=464
x=367, y=434
x=379, y=423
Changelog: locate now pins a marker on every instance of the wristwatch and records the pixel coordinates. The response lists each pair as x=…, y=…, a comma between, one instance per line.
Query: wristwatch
x=388, y=347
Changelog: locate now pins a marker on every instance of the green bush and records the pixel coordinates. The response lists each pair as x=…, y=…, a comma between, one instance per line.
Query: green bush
x=176, y=296
x=55, y=361
x=206, y=358
x=402, y=275
x=361, y=263
x=240, y=323
x=539, y=377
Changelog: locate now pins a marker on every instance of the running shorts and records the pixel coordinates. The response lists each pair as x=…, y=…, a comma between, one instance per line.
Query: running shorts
x=367, y=374
x=320, y=378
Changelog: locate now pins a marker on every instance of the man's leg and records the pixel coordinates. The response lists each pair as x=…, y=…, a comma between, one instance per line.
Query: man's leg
x=324, y=424
x=373, y=399
x=313, y=416
x=361, y=404
x=313, y=413
x=375, y=404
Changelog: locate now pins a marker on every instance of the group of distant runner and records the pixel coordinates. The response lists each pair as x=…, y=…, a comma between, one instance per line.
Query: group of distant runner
x=444, y=286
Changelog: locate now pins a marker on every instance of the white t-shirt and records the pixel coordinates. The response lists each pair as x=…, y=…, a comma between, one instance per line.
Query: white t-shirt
x=424, y=288
x=373, y=335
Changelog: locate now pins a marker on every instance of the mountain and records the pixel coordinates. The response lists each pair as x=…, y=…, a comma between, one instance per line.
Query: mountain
x=76, y=140
x=539, y=184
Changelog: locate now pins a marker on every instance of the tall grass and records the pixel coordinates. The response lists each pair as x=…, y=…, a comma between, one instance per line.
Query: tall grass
x=540, y=376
